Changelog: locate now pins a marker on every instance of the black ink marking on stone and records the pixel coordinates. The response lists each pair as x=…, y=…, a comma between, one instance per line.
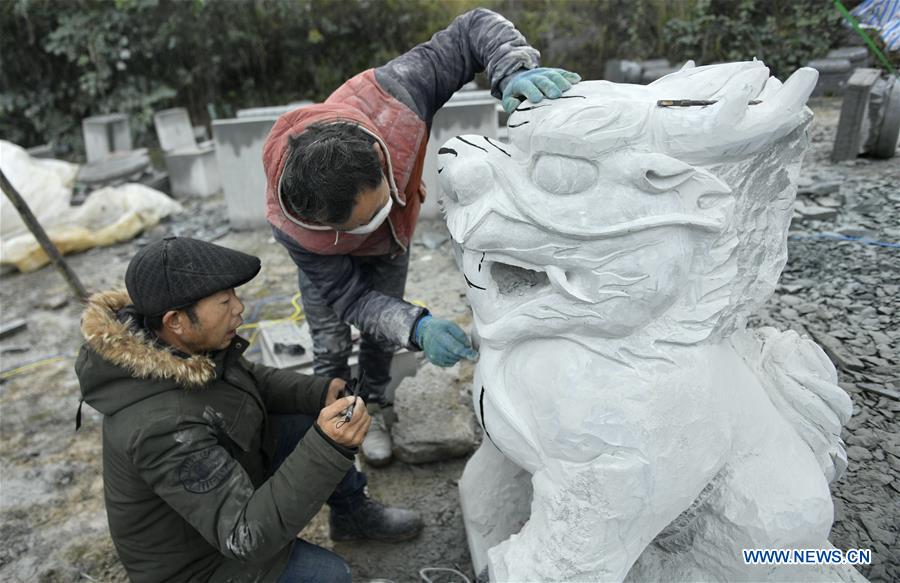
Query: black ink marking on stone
x=470, y=284
x=202, y=471
x=481, y=408
x=440, y=170
x=463, y=140
x=488, y=140
x=480, y=262
x=511, y=126
x=447, y=151
x=532, y=107
x=572, y=97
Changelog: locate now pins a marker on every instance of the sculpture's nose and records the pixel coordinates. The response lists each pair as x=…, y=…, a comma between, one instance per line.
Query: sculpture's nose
x=464, y=173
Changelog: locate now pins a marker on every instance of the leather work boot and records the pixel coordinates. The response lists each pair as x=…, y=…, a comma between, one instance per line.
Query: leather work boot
x=377, y=446
x=372, y=520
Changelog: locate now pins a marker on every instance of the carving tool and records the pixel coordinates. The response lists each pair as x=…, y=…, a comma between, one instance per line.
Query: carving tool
x=353, y=388
x=693, y=102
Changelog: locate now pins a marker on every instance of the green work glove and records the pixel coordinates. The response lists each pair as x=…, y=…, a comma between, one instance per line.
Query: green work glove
x=535, y=84
x=443, y=342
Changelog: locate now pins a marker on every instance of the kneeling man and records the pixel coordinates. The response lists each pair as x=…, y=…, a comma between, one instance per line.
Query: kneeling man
x=213, y=464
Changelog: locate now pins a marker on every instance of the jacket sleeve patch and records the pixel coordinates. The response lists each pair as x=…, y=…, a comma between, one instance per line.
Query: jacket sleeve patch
x=203, y=471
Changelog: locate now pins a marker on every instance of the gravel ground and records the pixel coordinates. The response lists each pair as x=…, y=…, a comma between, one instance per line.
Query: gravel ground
x=843, y=292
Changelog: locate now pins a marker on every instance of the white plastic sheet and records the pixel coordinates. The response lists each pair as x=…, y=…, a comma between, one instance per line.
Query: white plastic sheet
x=109, y=215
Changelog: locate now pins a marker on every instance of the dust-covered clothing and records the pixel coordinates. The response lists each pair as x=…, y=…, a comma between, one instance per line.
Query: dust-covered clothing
x=396, y=104
x=188, y=451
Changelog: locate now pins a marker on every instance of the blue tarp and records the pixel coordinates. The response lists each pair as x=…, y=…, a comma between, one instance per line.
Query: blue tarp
x=883, y=15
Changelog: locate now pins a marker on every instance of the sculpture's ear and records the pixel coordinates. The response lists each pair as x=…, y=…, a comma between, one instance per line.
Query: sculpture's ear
x=660, y=173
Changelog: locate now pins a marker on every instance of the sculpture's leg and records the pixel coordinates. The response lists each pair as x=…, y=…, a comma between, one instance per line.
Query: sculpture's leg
x=495, y=495
x=774, y=497
x=590, y=521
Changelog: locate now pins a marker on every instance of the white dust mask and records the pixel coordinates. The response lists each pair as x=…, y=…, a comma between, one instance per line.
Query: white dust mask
x=376, y=220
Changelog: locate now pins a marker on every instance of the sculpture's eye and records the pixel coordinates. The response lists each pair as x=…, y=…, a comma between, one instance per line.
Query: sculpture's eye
x=563, y=175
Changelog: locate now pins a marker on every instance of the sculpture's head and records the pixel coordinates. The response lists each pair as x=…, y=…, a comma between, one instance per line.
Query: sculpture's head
x=607, y=213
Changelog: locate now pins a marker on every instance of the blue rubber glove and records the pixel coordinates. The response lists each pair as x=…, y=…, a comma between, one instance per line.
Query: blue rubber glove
x=443, y=342
x=535, y=84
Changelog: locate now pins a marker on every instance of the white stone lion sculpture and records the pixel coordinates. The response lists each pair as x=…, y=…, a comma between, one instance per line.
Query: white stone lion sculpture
x=634, y=427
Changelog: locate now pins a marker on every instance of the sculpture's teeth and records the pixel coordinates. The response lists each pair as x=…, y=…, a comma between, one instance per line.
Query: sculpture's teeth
x=733, y=107
x=704, y=82
x=750, y=81
x=559, y=281
x=771, y=88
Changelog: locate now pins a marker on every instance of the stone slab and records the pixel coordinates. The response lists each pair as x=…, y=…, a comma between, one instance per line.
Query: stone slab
x=104, y=135
x=239, y=146
x=193, y=172
x=174, y=129
x=12, y=327
x=858, y=56
x=838, y=354
x=270, y=111
x=833, y=76
x=854, y=115
x=888, y=131
x=117, y=167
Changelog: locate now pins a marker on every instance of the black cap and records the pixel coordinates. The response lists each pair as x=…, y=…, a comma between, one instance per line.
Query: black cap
x=178, y=271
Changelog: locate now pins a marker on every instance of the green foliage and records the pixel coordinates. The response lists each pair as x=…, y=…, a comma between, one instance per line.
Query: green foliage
x=582, y=35
x=785, y=35
x=61, y=61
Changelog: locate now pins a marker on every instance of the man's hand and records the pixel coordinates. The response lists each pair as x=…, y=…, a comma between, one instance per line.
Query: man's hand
x=334, y=390
x=443, y=342
x=347, y=433
x=535, y=84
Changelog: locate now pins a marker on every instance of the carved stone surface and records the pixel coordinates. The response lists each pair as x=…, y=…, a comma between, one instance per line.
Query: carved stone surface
x=634, y=428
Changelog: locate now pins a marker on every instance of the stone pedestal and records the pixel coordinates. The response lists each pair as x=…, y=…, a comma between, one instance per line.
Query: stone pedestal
x=105, y=134
x=852, y=128
x=239, y=146
x=833, y=76
x=193, y=171
x=884, y=108
x=467, y=112
x=858, y=56
x=870, y=117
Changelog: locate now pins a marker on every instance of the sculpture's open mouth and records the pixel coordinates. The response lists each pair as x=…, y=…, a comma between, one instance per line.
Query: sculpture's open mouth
x=516, y=281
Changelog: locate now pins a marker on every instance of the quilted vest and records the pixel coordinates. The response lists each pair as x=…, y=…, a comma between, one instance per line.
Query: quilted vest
x=403, y=137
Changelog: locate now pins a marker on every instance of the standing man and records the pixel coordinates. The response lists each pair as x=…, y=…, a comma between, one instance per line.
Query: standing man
x=345, y=188
x=212, y=464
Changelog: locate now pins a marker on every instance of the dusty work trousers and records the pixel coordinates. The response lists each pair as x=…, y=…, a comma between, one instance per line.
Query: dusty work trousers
x=331, y=336
x=310, y=563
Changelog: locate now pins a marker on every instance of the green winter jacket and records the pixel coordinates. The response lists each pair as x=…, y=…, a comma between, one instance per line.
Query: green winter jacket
x=186, y=451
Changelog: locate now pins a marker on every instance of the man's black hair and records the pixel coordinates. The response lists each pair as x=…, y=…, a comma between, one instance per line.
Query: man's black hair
x=155, y=323
x=327, y=167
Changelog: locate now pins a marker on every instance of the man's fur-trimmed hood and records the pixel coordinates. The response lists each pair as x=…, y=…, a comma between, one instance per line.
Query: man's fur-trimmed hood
x=127, y=346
